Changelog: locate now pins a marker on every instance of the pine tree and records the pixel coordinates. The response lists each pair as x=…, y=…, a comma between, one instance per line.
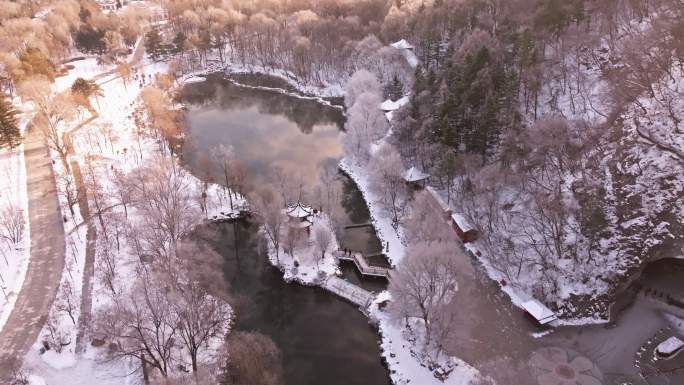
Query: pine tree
x=153, y=44
x=394, y=89
x=9, y=130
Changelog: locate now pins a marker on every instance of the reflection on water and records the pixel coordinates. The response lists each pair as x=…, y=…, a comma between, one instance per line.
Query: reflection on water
x=268, y=130
x=265, y=129
x=324, y=340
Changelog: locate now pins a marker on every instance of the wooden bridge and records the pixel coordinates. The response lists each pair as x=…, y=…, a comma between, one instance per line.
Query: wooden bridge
x=362, y=265
x=348, y=291
x=358, y=225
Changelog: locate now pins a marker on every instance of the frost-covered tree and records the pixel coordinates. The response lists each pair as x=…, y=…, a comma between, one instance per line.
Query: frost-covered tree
x=361, y=82
x=252, y=358
x=322, y=239
x=269, y=206
x=423, y=286
x=387, y=180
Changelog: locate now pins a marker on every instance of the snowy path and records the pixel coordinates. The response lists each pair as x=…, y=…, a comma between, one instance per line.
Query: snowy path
x=89, y=267
x=47, y=253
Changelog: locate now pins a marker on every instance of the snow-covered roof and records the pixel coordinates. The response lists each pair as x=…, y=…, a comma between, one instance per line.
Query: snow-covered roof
x=670, y=346
x=461, y=222
x=390, y=105
x=194, y=79
x=541, y=313
x=402, y=44
x=435, y=195
x=298, y=211
x=413, y=174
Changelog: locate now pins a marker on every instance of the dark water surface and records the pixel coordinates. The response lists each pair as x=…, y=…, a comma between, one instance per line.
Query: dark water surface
x=324, y=339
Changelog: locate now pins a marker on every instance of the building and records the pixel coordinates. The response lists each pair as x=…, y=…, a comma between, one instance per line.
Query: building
x=542, y=314
x=108, y=5
x=299, y=216
x=415, y=177
x=463, y=228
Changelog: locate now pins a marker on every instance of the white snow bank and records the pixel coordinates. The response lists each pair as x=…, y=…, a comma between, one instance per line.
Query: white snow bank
x=402, y=358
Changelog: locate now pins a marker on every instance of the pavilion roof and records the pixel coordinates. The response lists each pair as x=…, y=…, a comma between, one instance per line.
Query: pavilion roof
x=413, y=174
x=298, y=211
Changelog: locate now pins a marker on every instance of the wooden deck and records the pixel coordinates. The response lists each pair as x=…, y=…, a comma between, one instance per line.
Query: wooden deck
x=362, y=265
x=349, y=291
x=358, y=225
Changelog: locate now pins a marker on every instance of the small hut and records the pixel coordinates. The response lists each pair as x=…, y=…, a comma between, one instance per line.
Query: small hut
x=463, y=228
x=541, y=313
x=415, y=177
x=299, y=216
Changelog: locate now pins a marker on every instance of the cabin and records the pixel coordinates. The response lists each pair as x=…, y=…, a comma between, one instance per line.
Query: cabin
x=415, y=177
x=670, y=347
x=465, y=231
x=402, y=44
x=542, y=314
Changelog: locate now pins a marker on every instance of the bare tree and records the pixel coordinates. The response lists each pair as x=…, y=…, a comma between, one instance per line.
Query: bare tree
x=226, y=157
x=53, y=113
x=426, y=221
x=203, y=318
x=361, y=82
x=56, y=337
x=141, y=322
x=322, y=238
x=13, y=373
x=253, y=358
x=387, y=170
x=12, y=222
x=424, y=284
x=67, y=302
x=269, y=206
x=294, y=238
x=163, y=193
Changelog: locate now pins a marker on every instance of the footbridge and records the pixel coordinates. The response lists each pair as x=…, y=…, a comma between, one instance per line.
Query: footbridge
x=362, y=264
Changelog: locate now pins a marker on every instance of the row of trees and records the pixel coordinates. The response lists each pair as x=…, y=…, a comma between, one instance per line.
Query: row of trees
x=313, y=42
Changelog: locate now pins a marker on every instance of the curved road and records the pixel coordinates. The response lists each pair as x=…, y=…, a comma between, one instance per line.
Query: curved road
x=48, y=248
x=47, y=253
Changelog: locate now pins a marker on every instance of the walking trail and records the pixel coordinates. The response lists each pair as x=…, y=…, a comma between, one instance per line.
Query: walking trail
x=48, y=250
x=47, y=253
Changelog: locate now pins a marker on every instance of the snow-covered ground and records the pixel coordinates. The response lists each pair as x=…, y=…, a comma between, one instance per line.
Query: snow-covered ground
x=400, y=352
x=306, y=265
x=13, y=198
x=110, y=145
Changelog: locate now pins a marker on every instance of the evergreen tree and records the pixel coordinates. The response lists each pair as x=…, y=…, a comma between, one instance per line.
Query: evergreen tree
x=90, y=40
x=394, y=90
x=82, y=90
x=178, y=43
x=9, y=130
x=153, y=44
